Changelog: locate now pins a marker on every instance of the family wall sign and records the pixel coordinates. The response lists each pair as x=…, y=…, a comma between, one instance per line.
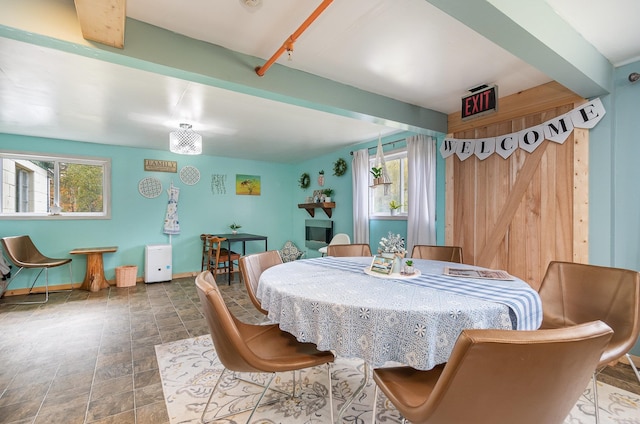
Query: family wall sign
x=557, y=130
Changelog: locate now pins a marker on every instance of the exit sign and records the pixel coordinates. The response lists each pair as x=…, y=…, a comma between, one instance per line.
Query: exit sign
x=482, y=100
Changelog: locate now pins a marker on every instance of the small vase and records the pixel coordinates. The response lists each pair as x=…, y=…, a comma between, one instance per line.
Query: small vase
x=393, y=212
x=409, y=270
x=327, y=199
x=234, y=231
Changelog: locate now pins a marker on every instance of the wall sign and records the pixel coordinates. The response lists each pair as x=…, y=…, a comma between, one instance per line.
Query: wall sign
x=482, y=100
x=160, y=165
x=556, y=130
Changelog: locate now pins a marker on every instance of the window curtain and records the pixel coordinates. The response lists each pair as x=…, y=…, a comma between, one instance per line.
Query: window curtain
x=421, y=223
x=360, y=180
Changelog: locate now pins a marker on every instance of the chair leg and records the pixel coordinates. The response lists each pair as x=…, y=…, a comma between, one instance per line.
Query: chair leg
x=264, y=392
x=635, y=370
x=260, y=398
x=46, y=297
x=253, y=410
x=330, y=394
x=46, y=285
x=595, y=397
x=213, y=391
x=375, y=404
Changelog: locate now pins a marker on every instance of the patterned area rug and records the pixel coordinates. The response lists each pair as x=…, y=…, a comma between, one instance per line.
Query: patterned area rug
x=189, y=370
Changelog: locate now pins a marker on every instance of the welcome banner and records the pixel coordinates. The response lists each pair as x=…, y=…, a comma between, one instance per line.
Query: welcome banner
x=557, y=130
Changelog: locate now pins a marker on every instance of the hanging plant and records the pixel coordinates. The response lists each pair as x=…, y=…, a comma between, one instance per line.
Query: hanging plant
x=304, y=181
x=339, y=167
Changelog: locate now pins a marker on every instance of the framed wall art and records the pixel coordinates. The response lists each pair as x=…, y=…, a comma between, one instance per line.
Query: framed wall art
x=248, y=185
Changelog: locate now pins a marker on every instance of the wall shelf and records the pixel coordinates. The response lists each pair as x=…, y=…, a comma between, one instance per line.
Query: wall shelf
x=311, y=207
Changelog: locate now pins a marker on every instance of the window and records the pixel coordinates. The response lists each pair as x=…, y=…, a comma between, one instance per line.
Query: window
x=397, y=168
x=32, y=185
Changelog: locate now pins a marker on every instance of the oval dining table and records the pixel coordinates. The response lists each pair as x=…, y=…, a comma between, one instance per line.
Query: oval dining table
x=340, y=305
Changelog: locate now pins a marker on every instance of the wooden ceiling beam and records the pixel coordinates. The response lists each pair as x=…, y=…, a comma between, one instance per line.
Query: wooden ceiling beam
x=102, y=20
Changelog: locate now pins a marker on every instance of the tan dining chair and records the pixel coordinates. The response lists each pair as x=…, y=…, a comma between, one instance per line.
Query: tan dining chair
x=573, y=293
x=437, y=253
x=499, y=377
x=24, y=254
x=355, y=249
x=243, y=347
x=219, y=260
x=252, y=267
x=340, y=238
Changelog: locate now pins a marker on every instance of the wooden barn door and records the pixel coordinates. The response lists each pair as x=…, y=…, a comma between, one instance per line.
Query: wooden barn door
x=520, y=213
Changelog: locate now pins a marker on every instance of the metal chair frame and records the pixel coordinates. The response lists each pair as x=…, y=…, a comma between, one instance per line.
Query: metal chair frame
x=226, y=319
x=43, y=267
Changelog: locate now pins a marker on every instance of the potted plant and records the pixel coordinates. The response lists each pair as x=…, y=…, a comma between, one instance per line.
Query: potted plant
x=234, y=228
x=321, y=178
x=394, y=206
x=376, y=171
x=408, y=267
x=328, y=192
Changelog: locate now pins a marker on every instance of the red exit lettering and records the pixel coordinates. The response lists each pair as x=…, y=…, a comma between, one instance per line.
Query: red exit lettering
x=479, y=102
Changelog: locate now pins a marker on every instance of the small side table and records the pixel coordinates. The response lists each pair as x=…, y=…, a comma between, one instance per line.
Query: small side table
x=94, y=277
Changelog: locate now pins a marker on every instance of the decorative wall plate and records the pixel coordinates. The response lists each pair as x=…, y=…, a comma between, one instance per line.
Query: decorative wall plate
x=189, y=175
x=150, y=187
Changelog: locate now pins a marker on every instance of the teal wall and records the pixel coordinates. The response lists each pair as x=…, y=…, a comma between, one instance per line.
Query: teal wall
x=614, y=197
x=343, y=196
x=625, y=170
x=138, y=221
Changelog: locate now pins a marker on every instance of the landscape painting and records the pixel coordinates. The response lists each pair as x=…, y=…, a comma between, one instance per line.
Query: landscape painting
x=248, y=184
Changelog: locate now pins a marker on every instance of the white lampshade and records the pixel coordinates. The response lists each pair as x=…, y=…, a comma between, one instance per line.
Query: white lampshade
x=185, y=141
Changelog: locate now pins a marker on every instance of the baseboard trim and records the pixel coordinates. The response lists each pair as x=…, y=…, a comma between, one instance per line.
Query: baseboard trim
x=41, y=289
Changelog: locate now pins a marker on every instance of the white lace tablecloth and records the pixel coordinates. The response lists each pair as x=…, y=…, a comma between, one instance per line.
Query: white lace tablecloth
x=332, y=302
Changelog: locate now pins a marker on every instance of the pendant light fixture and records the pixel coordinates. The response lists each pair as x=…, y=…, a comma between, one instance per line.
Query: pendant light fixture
x=185, y=141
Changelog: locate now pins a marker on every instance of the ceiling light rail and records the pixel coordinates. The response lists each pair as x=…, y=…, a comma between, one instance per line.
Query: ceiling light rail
x=288, y=43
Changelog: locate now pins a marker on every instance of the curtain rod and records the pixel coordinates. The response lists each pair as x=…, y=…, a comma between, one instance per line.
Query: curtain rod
x=383, y=144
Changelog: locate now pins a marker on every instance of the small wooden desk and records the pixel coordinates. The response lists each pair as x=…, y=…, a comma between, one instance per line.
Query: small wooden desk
x=94, y=278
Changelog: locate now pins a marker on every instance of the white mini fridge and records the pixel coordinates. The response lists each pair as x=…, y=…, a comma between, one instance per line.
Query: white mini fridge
x=157, y=263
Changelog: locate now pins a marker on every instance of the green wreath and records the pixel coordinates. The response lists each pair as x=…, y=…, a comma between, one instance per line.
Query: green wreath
x=304, y=181
x=339, y=167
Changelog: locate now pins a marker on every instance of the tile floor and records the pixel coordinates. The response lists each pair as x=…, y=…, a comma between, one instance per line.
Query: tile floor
x=89, y=357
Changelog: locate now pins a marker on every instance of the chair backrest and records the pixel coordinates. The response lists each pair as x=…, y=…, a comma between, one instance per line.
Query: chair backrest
x=224, y=327
x=22, y=252
x=524, y=377
x=437, y=253
x=574, y=293
x=348, y=250
x=252, y=267
x=205, y=250
x=340, y=238
x=214, y=253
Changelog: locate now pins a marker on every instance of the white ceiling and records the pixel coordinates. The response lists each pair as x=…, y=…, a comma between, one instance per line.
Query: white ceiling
x=407, y=50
